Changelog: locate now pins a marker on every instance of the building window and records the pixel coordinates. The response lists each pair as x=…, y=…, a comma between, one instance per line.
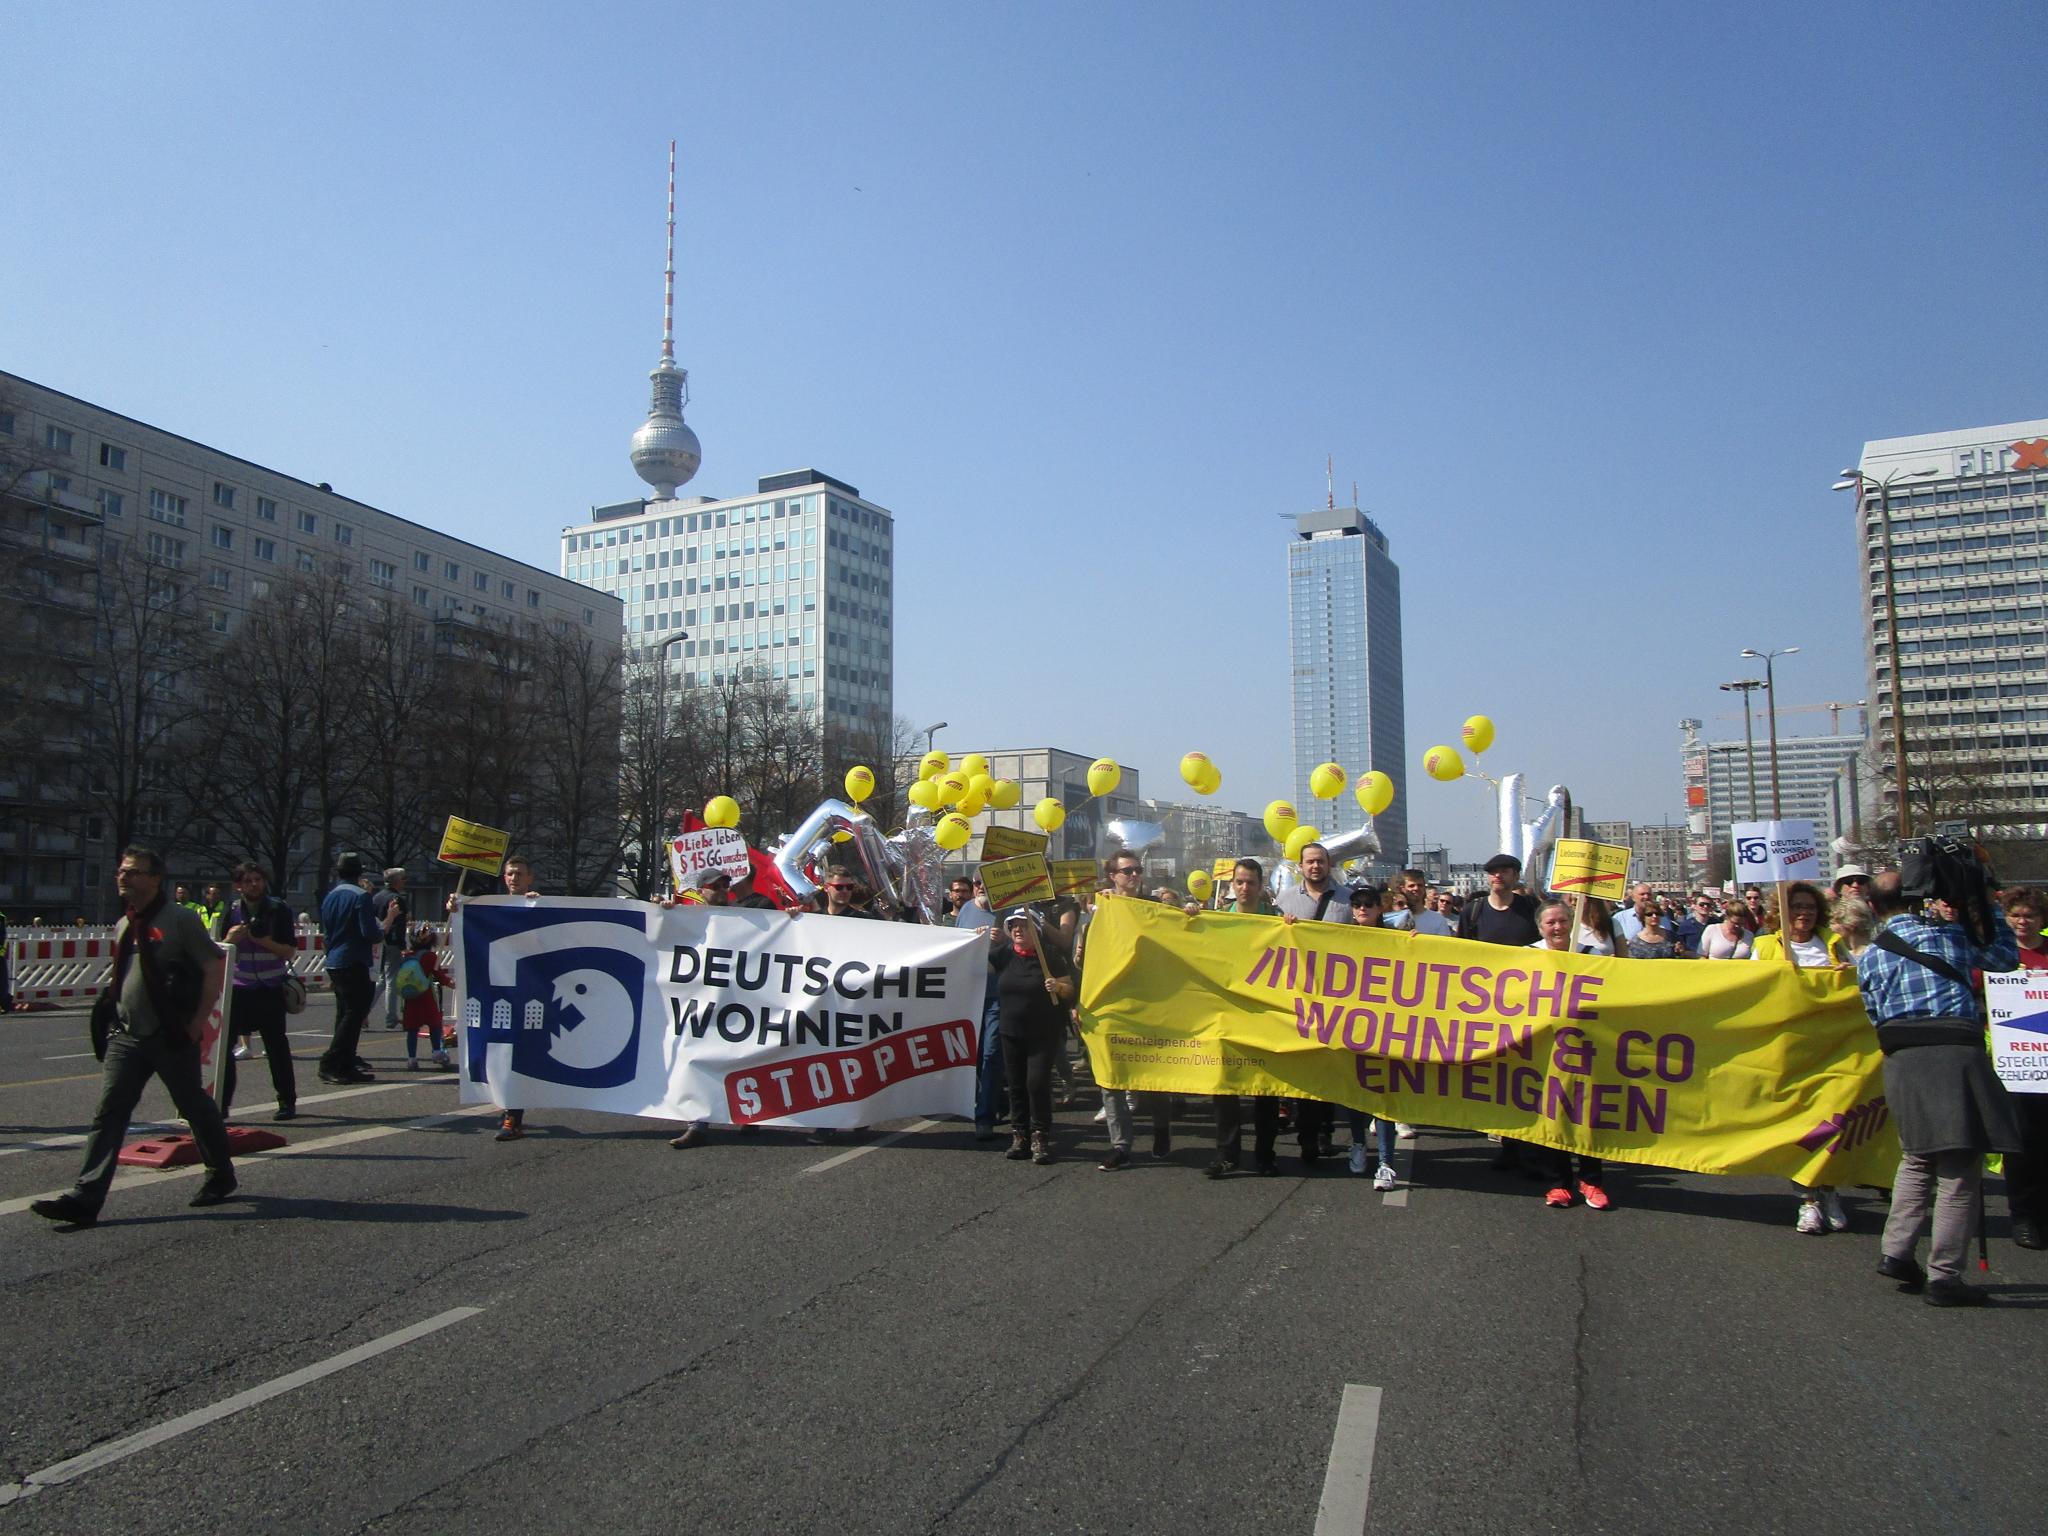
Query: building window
x=220, y=578
x=166, y=508
x=451, y=571
x=481, y=580
x=218, y=619
x=110, y=502
x=112, y=457
x=223, y=538
x=532, y=598
x=383, y=573
x=223, y=495
x=266, y=509
x=266, y=549
x=6, y=423
x=343, y=534
x=507, y=591
x=308, y=523
x=164, y=548
x=306, y=560
x=421, y=561
x=57, y=439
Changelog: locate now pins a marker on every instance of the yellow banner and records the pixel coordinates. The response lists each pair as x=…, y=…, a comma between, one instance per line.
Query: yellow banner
x=1011, y=842
x=1590, y=869
x=471, y=845
x=1752, y=1067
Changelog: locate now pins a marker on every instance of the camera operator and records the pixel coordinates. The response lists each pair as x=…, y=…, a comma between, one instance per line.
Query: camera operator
x=1949, y=1105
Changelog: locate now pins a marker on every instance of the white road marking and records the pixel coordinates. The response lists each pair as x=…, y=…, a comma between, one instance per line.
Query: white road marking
x=78, y=1139
x=119, y=1450
x=133, y=1179
x=880, y=1141
x=1347, y=1484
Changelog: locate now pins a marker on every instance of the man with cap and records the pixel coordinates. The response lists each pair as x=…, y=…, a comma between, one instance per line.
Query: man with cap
x=1504, y=916
x=1852, y=880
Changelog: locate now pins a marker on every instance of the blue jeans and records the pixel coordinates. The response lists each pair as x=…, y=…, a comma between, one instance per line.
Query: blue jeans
x=988, y=1077
x=1386, y=1132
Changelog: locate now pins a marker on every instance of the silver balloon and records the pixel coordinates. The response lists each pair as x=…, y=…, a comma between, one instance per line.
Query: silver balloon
x=876, y=864
x=1360, y=843
x=923, y=879
x=800, y=853
x=1135, y=835
x=1531, y=841
x=1286, y=877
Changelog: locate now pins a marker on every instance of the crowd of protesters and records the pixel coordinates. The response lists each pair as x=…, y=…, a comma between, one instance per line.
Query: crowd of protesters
x=1918, y=968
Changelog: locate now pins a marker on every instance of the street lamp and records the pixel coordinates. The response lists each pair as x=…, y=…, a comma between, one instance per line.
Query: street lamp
x=1771, y=688
x=1857, y=481
x=1746, y=686
x=931, y=731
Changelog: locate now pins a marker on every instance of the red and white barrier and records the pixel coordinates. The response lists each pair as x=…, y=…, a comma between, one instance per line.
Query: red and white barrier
x=66, y=967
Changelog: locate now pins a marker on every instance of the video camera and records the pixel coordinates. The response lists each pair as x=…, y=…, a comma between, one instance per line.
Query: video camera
x=1950, y=870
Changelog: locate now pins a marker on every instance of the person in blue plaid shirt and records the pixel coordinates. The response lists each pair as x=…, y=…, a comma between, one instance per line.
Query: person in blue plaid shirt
x=1949, y=1106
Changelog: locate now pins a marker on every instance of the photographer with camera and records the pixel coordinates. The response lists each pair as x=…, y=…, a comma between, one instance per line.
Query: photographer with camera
x=1949, y=1106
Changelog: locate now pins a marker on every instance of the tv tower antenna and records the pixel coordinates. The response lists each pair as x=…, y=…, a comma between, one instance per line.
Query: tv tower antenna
x=666, y=452
x=1330, y=479
x=668, y=286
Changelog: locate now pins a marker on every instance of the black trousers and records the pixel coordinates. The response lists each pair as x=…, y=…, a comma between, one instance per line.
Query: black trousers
x=353, y=992
x=1556, y=1164
x=1230, y=1127
x=2026, y=1173
x=260, y=1010
x=130, y=1064
x=1027, y=1066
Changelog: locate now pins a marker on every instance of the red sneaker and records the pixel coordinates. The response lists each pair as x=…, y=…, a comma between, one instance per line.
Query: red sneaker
x=1594, y=1196
x=1559, y=1197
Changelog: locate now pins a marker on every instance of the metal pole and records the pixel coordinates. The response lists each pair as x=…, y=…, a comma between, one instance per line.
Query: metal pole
x=1891, y=622
x=1771, y=687
x=1749, y=750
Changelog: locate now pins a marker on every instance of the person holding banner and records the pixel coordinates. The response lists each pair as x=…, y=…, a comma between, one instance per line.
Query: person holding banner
x=1949, y=1105
x=2026, y=1171
x=1414, y=910
x=1554, y=921
x=1119, y=1106
x=974, y=911
x=1811, y=943
x=1729, y=938
x=1034, y=987
x=1247, y=894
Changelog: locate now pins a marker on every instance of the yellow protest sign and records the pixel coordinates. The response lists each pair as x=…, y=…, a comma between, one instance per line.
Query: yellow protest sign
x=471, y=845
x=1222, y=869
x=1011, y=842
x=1590, y=869
x=1073, y=877
x=1751, y=1069
x=1012, y=882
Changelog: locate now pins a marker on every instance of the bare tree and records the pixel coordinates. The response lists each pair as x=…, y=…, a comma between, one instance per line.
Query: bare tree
x=659, y=770
x=576, y=716
x=886, y=746
x=398, y=731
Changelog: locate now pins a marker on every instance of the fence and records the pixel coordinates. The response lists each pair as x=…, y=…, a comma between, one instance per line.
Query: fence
x=53, y=968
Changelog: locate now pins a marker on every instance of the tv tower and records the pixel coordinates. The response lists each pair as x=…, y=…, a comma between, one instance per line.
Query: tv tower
x=665, y=451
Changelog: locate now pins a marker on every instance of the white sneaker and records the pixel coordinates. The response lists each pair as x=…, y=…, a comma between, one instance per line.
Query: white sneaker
x=241, y=1052
x=1811, y=1221
x=1102, y=1115
x=1831, y=1208
x=1386, y=1178
x=1404, y=1130
x=1357, y=1157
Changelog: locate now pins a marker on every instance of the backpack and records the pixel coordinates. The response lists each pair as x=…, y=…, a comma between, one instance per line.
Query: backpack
x=411, y=979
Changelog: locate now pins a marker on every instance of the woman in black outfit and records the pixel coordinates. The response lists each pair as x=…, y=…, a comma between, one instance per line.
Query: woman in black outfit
x=1034, y=989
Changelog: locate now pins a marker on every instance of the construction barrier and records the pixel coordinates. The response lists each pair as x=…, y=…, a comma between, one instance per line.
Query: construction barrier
x=58, y=968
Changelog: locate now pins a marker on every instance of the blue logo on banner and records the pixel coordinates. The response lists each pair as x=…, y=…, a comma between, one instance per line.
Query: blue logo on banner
x=568, y=1002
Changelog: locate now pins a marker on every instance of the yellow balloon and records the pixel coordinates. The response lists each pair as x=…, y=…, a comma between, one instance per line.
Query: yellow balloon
x=1104, y=776
x=1299, y=839
x=1049, y=814
x=973, y=803
x=842, y=837
x=1478, y=734
x=1280, y=820
x=933, y=764
x=1194, y=768
x=952, y=832
x=1375, y=792
x=860, y=783
x=722, y=811
x=973, y=763
x=924, y=794
x=1211, y=781
x=1328, y=780
x=979, y=783
x=1005, y=793
x=1443, y=764
x=1200, y=886
x=952, y=786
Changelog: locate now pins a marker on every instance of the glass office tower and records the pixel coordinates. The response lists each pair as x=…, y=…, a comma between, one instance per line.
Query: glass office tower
x=1344, y=646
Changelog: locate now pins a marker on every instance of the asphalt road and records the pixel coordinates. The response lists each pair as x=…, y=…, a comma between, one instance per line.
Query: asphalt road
x=588, y=1331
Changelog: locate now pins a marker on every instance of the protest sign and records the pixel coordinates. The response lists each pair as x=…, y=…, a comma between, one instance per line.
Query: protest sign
x=1580, y=868
x=1753, y=1069
x=718, y=848
x=1011, y=842
x=1767, y=852
x=1012, y=882
x=2018, y=1006
x=731, y=1015
x=472, y=846
x=1223, y=869
x=1073, y=877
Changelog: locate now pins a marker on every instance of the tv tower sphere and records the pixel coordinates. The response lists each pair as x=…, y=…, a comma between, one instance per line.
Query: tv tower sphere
x=666, y=452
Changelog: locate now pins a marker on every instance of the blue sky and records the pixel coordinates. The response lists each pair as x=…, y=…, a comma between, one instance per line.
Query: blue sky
x=1591, y=302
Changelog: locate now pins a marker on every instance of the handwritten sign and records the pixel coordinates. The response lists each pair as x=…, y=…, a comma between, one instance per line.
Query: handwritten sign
x=1012, y=882
x=707, y=848
x=1011, y=842
x=1073, y=877
x=1590, y=869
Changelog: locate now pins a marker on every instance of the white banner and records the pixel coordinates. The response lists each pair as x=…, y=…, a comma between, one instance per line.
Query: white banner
x=1769, y=851
x=2018, y=1004
x=707, y=848
x=731, y=1015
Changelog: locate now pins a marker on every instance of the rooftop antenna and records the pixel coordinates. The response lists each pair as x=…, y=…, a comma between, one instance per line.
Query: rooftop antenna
x=1354, y=493
x=668, y=286
x=1330, y=478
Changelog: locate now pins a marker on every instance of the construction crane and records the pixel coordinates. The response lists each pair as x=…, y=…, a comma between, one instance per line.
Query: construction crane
x=1834, y=707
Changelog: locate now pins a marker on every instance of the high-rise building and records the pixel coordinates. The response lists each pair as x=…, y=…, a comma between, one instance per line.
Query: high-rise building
x=1821, y=779
x=1344, y=647
x=1968, y=514
x=794, y=583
